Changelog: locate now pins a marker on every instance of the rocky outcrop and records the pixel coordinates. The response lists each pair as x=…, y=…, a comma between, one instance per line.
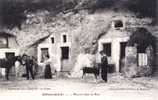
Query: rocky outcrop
x=83, y=60
x=133, y=68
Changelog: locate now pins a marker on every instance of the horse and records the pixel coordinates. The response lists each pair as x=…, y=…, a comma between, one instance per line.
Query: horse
x=90, y=70
x=7, y=63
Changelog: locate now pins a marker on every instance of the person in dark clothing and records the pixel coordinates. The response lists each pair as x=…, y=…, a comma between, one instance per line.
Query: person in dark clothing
x=104, y=63
x=35, y=65
x=29, y=66
x=8, y=64
x=47, y=71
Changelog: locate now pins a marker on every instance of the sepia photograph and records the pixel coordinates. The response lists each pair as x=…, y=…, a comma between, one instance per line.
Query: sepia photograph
x=73, y=48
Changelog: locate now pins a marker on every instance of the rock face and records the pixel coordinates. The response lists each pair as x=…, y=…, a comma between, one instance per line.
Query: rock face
x=83, y=60
x=130, y=68
x=133, y=68
x=142, y=53
x=86, y=29
x=147, y=70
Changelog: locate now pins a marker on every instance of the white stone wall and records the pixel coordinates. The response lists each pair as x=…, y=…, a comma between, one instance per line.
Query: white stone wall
x=115, y=37
x=55, y=50
x=12, y=42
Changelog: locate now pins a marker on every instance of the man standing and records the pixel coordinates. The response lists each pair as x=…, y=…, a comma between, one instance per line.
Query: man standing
x=8, y=63
x=29, y=66
x=104, y=63
x=98, y=60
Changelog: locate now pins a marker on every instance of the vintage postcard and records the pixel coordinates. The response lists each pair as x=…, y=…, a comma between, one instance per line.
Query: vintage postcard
x=104, y=49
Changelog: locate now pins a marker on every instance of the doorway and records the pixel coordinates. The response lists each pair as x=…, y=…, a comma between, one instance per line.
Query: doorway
x=64, y=57
x=107, y=48
x=122, y=55
x=9, y=54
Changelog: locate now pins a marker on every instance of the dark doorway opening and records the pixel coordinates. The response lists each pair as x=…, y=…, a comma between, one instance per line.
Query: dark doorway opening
x=64, y=57
x=122, y=55
x=9, y=54
x=64, y=53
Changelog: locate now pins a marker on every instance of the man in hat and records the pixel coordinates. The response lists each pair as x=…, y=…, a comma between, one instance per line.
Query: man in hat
x=104, y=64
x=29, y=66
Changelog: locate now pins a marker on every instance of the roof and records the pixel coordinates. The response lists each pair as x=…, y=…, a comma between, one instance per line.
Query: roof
x=39, y=40
x=6, y=34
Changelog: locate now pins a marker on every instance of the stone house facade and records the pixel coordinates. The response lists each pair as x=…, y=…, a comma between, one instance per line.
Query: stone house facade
x=113, y=42
x=8, y=45
x=57, y=46
x=60, y=37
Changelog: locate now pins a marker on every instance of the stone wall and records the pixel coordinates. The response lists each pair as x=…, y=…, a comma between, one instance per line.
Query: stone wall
x=132, y=62
x=130, y=68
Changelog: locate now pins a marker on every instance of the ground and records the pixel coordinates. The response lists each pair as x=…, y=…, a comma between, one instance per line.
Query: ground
x=117, y=86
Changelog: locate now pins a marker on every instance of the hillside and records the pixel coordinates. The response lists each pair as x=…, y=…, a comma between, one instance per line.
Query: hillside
x=86, y=28
x=33, y=20
x=13, y=12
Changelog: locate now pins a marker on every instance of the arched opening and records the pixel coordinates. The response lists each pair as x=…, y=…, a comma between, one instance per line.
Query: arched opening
x=145, y=44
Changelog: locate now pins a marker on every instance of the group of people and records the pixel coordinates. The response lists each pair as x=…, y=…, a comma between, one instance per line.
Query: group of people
x=29, y=63
x=31, y=66
x=25, y=66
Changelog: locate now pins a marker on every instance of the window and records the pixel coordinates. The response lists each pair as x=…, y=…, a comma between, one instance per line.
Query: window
x=142, y=59
x=44, y=51
x=52, y=40
x=64, y=38
x=118, y=24
x=107, y=49
x=3, y=42
x=9, y=54
x=65, y=52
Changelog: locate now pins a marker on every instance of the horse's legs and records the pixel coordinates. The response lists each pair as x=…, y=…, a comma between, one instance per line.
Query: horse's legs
x=95, y=76
x=83, y=74
x=7, y=73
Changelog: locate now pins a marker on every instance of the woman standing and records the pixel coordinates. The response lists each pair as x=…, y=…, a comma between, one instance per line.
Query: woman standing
x=17, y=66
x=47, y=71
x=104, y=64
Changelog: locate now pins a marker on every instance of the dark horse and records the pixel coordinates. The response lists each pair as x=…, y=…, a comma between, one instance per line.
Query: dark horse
x=89, y=70
x=7, y=63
